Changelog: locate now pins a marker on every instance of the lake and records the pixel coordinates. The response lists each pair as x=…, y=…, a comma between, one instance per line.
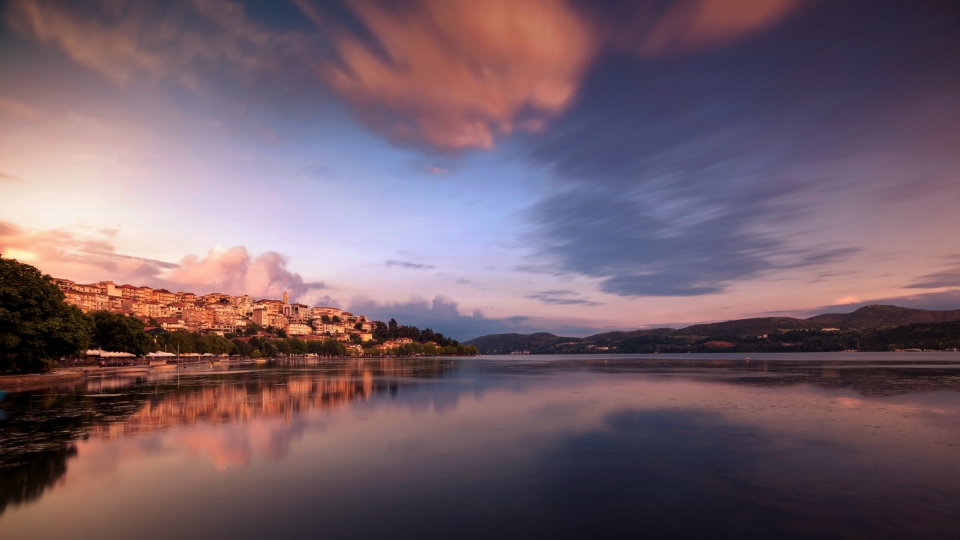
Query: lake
x=850, y=445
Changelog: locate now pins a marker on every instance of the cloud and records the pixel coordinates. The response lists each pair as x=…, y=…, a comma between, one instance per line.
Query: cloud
x=443, y=315
x=942, y=300
x=638, y=253
x=454, y=74
x=235, y=271
x=17, y=109
x=561, y=297
x=72, y=255
x=128, y=40
x=84, y=258
x=9, y=178
x=690, y=25
x=408, y=265
x=446, y=75
x=686, y=178
x=937, y=280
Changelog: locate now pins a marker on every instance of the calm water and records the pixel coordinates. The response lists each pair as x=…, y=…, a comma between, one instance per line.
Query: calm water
x=784, y=446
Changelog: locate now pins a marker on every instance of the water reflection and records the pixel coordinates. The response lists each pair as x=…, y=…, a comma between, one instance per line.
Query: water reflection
x=41, y=427
x=693, y=447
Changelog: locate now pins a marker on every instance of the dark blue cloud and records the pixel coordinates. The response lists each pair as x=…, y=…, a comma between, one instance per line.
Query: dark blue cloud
x=682, y=177
x=561, y=297
x=945, y=278
x=408, y=265
x=442, y=315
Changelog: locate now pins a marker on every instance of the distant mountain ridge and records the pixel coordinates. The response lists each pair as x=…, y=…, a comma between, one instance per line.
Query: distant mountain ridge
x=886, y=315
x=821, y=332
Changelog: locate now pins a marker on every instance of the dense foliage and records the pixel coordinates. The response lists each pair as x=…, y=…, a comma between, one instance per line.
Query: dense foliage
x=392, y=330
x=191, y=342
x=119, y=333
x=257, y=347
x=427, y=349
x=36, y=326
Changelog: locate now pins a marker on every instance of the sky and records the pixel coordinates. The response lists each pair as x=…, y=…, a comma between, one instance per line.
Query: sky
x=492, y=166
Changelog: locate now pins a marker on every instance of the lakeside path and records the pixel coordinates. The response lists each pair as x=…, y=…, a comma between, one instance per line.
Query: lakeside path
x=31, y=381
x=35, y=380
x=67, y=375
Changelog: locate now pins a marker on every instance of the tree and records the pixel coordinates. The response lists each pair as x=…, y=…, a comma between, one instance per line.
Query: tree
x=120, y=333
x=36, y=325
x=358, y=326
x=242, y=347
x=335, y=318
x=269, y=348
x=298, y=346
x=325, y=318
x=392, y=325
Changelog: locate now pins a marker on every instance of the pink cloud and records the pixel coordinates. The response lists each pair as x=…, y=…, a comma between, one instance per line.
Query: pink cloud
x=456, y=73
x=72, y=255
x=691, y=25
x=235, y=271
x=18, y=109
x=75, y=256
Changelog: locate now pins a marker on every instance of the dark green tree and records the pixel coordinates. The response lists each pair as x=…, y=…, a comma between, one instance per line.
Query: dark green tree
x=243, y=347
x=36, y=326
x=298, y=346
x=392, y=326
x=269, y=348
x=120, y=333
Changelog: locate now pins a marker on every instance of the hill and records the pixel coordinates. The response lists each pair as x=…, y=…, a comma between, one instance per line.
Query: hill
x=875, y=328
x=744, y=327
x=878, y=316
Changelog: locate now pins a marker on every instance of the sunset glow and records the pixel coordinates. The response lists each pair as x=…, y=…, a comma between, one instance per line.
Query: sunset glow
x=484, y=167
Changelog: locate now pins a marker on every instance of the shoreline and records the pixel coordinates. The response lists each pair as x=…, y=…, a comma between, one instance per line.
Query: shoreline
x=62, y=375
x=29, y=381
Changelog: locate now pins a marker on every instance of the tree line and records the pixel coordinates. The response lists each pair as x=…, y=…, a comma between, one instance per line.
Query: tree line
x=392, y=330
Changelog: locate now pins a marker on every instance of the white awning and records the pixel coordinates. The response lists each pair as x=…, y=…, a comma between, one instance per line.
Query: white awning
x=109, y=354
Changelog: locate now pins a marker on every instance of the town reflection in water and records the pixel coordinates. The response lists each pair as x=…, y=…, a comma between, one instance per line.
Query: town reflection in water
x=788, y=446
x=39, y=429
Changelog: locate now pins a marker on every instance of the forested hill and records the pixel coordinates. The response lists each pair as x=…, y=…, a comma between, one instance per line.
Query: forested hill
x=877, y=316
x=878, y=327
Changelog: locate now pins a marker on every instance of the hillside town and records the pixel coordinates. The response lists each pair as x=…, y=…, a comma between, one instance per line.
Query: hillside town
x=223, y=314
